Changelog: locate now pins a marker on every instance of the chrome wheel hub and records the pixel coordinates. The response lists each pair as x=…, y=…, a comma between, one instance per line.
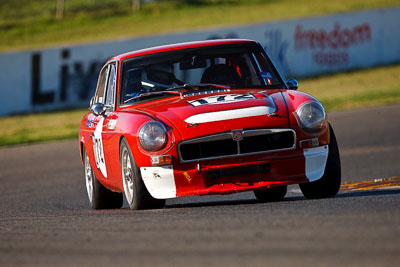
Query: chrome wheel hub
x=127, y=174
x=88, y=178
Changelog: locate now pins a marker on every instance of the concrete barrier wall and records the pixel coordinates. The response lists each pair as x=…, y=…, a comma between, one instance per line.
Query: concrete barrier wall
x=62, y=77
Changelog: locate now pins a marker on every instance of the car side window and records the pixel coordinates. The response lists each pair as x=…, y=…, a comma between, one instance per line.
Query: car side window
x=110, y=92
x=101, y=84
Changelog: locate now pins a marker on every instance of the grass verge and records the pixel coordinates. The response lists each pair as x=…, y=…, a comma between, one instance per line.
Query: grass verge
x=371, y=87
x=19, y=129
x=362, y=88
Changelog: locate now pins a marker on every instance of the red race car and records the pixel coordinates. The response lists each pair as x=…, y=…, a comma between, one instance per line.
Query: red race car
x=200, y=118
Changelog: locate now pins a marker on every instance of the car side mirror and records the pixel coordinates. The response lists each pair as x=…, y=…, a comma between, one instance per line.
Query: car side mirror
x=292, y=84
x=98, y=109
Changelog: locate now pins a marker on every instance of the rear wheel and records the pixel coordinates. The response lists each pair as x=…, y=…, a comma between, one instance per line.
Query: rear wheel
x=135, y=191
x=99, y=196
x=271, y=194
x=329, y=184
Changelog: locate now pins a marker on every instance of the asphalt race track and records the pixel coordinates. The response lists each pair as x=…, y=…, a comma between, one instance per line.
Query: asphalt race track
x=45, y=218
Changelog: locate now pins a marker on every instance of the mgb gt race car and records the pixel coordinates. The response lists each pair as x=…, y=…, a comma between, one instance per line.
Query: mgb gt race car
x=200, y=118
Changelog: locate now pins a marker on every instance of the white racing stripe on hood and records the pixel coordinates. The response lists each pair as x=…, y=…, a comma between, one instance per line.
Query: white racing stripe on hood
x=230, y=114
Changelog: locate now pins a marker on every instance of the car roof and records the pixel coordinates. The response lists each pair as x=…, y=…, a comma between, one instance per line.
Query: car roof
x=179, y=46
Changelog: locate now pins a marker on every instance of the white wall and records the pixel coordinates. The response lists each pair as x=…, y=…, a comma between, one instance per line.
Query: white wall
x=66, y=76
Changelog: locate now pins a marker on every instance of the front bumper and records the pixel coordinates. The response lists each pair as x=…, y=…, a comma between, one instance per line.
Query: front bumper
x=227, y=176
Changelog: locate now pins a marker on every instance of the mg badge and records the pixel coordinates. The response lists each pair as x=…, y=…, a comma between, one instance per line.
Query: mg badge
x=237, y=135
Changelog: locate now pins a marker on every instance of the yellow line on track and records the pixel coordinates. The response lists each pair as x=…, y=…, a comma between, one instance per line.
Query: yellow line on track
x=384, y=183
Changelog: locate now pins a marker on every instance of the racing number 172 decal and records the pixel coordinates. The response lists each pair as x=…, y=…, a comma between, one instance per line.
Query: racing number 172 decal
x=221, y=99
x=98, y=148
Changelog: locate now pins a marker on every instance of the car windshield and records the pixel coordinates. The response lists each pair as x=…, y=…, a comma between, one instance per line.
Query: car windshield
x=233, y=66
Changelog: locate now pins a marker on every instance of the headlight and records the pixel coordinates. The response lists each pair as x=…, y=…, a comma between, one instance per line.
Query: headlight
x=311, y=117
x=152, y=136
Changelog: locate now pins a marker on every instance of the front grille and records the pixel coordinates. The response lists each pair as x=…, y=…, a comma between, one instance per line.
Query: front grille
x=223, y=145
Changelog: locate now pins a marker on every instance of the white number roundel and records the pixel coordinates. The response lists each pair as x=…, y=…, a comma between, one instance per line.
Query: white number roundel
x=98, y=148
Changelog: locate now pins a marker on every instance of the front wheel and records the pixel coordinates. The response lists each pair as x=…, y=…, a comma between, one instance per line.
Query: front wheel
x=329, y=184
x=135, y=191
x=99, y=196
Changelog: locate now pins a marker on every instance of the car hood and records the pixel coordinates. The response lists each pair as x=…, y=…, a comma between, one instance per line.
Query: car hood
x=205, y=114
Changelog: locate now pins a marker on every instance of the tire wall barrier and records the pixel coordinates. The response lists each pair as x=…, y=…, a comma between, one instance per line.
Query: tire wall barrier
x=63, y=77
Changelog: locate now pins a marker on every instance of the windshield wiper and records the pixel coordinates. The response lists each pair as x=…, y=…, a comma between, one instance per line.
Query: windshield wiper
x=200, y=89
x=150, y=94
x=192, y=87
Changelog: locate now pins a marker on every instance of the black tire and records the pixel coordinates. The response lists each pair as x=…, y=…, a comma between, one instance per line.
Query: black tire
x=99, y=196
x=271, y=194
x=329, y=184
x=136, y=192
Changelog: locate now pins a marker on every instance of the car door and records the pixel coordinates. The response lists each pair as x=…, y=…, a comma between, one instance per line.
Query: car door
x=109, y=139
x=96, y=125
